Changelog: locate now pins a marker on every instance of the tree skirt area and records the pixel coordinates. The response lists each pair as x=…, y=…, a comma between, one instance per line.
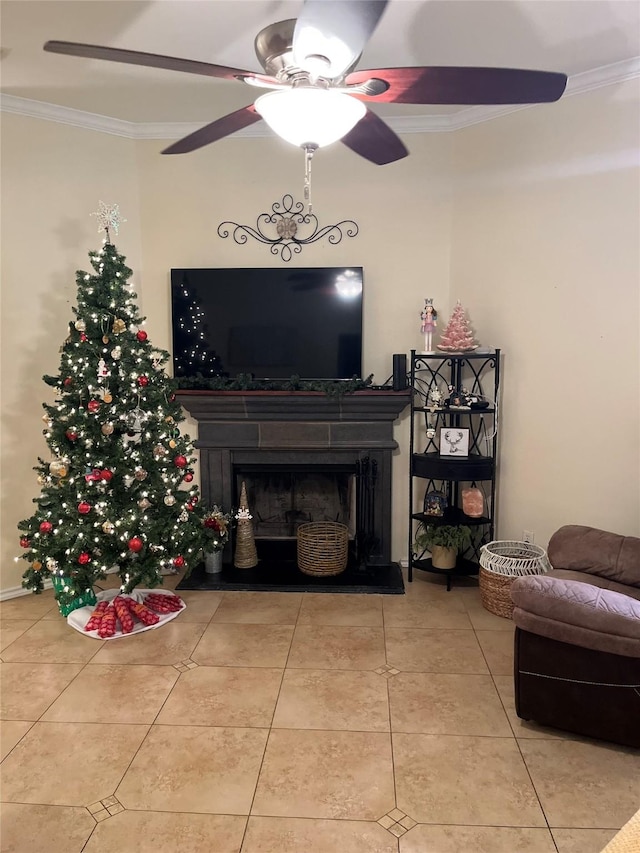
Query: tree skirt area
x=79, y=618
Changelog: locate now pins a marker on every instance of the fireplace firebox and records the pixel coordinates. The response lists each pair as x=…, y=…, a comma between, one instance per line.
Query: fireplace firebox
x=281, y=499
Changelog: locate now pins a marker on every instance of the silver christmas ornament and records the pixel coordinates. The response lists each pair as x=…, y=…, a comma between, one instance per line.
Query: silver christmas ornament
x=169, y=500
x=144, y=503
x=80, y=325
x=58, y=468
x=108, y=527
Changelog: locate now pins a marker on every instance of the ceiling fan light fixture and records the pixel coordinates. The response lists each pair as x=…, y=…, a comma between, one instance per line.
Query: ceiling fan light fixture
x=307, y=116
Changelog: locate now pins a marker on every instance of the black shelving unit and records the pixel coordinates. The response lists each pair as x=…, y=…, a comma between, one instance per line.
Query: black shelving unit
x=436, y=380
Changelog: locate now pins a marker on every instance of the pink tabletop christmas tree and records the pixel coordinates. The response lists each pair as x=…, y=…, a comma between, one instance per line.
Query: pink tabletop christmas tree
x=457, y=337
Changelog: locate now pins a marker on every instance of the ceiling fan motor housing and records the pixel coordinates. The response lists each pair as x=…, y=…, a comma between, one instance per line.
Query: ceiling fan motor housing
x=274, y=47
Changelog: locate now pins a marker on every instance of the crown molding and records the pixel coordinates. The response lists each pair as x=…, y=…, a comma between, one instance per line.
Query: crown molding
x=67, y=115
x=586, y=81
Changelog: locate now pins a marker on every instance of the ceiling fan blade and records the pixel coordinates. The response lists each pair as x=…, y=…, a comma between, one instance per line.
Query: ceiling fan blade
x=330, y=36
x=152, y=60
x=215, y=130
x=373, y=139
x=451, y=85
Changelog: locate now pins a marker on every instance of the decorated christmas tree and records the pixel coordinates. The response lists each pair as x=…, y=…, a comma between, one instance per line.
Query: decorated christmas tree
x=118, y=489
x=457, y=336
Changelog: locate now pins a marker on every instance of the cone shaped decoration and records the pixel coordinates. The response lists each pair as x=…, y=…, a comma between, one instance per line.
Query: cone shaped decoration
x=458, y=336
x=246, y=556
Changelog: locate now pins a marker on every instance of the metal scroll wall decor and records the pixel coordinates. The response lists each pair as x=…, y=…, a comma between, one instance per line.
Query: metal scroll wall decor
x=286, y=220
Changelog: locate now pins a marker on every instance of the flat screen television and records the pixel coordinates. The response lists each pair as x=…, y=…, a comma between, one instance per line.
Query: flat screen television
x=270, y=323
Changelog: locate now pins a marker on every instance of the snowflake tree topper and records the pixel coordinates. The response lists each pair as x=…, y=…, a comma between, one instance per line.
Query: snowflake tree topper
x=109, y=216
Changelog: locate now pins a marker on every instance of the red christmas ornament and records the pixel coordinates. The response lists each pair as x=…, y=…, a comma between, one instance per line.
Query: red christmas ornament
x=178, y=561
x=141, y=335
x=143, y=381
x=188, y=477
x=106, y=475
x=92, y=476
x=180, y=461
x=189, y=506
x=194, y=499
x=93, y=405
x=24, y=542
x=67, y=382
x=84, y=558
x=71, y=434
x=135, y=544
x=84, y=508
x=83, y=337
x=46, y=527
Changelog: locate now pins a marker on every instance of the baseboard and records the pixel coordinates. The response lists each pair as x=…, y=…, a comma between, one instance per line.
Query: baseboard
x=16, y=591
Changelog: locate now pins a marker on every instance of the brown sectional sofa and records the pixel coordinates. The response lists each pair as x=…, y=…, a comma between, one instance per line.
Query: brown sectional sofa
x=577, y=639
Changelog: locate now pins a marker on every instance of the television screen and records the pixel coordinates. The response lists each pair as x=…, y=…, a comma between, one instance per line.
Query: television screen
x=271, y=323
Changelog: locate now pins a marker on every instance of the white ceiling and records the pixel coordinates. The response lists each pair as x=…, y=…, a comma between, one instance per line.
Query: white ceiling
x=572, y=36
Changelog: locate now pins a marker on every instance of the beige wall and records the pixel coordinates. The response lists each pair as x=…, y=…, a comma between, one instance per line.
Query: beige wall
x=546, y=258
x=539, y=240
x=403, y=212
x=52, y=178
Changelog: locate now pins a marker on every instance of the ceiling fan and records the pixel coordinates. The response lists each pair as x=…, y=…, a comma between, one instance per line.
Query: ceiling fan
x=316, y=95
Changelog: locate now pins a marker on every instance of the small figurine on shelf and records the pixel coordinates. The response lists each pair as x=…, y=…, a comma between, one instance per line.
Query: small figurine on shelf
x=435, y=397
x=435, y=503
x=458, y=399
x=429, y=317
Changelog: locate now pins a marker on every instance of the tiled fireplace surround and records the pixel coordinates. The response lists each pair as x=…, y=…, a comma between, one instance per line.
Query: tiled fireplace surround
x=297, y=431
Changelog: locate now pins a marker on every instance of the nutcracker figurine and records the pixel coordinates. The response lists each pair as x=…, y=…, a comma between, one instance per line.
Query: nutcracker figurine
x=429, y=316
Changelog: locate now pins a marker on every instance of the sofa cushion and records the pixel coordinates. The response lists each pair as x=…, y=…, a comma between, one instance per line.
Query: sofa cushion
x=578, y=613
x=597, y=552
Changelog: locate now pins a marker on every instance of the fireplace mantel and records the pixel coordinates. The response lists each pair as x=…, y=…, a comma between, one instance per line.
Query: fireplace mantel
x=293, y=405
x=295, y=428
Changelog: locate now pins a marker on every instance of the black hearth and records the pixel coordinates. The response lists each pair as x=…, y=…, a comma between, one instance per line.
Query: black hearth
x=303, y=456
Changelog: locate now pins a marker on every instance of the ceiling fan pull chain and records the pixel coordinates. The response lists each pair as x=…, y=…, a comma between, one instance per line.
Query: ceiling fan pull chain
x=309, y=151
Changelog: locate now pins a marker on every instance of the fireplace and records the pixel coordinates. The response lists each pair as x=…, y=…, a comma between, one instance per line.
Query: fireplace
x=302, y=456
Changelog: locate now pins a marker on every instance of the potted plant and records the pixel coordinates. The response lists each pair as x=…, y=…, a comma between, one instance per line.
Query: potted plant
x=215, y=533
x=444, y=541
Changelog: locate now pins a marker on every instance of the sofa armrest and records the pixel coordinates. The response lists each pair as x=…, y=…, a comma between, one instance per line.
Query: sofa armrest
x=577, y=613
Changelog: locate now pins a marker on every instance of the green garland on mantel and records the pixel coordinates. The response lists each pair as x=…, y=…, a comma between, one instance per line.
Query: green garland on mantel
x=245, y=382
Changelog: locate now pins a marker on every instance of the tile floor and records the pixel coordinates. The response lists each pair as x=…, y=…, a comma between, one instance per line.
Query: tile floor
x=292, y=723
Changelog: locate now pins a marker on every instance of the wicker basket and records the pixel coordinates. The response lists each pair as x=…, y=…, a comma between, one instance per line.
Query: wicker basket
x=322, y=548
x=500, y=564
